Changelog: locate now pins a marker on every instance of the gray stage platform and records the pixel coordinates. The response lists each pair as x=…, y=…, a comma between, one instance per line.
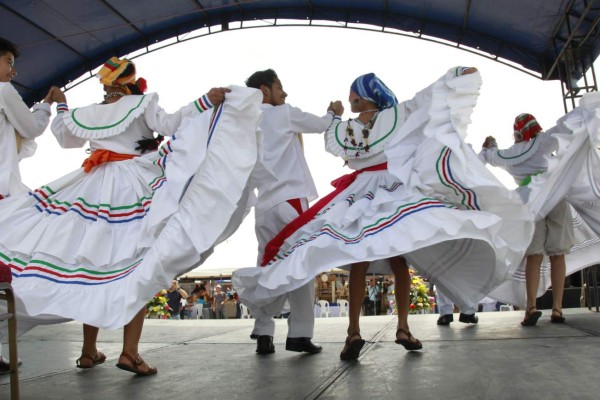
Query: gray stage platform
x=215, y=359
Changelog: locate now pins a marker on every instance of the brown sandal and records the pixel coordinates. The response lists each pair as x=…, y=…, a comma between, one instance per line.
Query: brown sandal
x=136, y=363
x=531, y=317
x=352, y=348
x=87, y=361
x=557, y=319
x=407, y=343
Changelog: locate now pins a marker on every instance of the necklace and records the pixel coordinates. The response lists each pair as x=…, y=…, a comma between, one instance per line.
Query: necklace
x=113, y=94
x=368, y=111
x=366, y=130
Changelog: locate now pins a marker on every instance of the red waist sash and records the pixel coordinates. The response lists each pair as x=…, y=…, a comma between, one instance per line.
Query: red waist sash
x=340, y=184
x=99, y=157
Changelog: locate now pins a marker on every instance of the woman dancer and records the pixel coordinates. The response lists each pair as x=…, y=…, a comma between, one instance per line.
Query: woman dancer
x=418, y=196
x=84, y=246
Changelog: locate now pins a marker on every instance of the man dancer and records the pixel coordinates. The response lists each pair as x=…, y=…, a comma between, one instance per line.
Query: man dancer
x=19, y=127
x=285, y=187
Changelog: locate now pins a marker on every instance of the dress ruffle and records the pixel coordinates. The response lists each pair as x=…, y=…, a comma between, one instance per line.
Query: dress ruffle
x=91, y=254
x=438, y=206
x=99, y=121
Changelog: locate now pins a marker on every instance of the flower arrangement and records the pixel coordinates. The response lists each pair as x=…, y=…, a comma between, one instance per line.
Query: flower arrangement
x=158, y=307
x=420, y=302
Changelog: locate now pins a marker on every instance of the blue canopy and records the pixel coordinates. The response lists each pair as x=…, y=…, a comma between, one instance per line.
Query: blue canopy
x=61, y=40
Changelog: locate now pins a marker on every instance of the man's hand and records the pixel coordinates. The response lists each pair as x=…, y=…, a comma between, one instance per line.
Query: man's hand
x=336, y=107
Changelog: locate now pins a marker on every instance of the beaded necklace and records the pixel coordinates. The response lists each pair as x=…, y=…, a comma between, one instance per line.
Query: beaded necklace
x=366, y=130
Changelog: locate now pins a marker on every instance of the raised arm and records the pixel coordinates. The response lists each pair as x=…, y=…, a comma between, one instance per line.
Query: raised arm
x=29, y=124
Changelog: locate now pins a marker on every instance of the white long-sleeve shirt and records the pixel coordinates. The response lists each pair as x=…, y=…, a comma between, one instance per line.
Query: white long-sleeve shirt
x=17, y=119
x=522, y=159
x=284, y=173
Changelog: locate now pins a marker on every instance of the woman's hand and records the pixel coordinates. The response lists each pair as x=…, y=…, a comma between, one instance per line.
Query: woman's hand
x=217, y=95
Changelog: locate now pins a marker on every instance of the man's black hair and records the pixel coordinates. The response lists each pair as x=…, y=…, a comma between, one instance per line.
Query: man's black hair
x=259, y=78
x=7, y=46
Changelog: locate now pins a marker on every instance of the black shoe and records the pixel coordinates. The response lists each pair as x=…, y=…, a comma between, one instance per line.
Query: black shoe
x=264, y=344
x=468, y=318
x=5, y=366
x=302, y=344
x=445, y=319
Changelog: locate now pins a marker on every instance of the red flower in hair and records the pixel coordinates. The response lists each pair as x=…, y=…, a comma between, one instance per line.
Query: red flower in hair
x=142, y=85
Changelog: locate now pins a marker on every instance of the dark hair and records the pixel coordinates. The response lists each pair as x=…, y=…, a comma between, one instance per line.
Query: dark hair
x=7, y=46
x=146, y=145
x=259, y=78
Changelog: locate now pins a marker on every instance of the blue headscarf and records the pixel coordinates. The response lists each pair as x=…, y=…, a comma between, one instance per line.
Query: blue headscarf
x=370, y=87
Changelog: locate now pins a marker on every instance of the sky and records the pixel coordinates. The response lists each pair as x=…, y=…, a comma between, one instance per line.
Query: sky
x=316, y=65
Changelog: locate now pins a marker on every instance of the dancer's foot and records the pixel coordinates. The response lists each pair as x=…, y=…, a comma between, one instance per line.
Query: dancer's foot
x=406, y=339
x=136, y=364
x=532, y=314
x=87, y=361
x=354, y=343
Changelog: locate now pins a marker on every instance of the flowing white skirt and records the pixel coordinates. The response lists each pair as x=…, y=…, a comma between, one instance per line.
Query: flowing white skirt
x=573, y=174
x=96, y=247
x=447, y=215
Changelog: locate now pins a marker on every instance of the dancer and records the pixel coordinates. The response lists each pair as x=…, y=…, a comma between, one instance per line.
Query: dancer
x=554, y=234
x=285, y=187
x=18, y=129
x=446, y=307
x=87, y=246
x=418, y=196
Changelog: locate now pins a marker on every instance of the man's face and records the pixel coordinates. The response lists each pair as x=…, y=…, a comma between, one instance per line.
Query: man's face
x=275, y=94
x=7, y=67
x=173, y=285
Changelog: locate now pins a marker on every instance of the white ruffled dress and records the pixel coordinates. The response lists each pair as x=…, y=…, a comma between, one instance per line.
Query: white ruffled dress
x=573, y=174
x=95, y=247
x=437, y=205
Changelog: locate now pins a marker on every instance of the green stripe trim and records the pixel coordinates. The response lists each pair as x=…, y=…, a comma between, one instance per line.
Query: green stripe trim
x=89, y=271
x=337, y=137
x=518, y=155
x=198, y=106
x=94, y=128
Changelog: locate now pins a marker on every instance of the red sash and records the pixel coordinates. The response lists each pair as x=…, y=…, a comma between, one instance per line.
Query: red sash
x=99, y=157
x=340, y=184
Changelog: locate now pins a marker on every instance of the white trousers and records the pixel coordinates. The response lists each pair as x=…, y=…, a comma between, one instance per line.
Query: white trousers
x=301, y=321
x=446, y=306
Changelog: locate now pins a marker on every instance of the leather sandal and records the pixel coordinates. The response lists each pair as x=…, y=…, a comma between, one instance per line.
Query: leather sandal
x=531, y=317
x=557, y=319
x=136, y=363
x=352, y=348
x=407, y=343
x=87, y=361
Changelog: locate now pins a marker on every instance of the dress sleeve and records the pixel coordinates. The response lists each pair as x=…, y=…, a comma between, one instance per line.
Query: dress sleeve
x=166, y=124
x=65, y=139
x=29, y=124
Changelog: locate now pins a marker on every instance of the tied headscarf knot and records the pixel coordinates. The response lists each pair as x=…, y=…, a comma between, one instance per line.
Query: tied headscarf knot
x=370, y=87
x=120, y=73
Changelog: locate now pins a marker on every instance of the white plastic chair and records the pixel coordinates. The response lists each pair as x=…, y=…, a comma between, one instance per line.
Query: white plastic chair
x=506, y=307
x=343, y=304
x=324, y=305
x=245, y=312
